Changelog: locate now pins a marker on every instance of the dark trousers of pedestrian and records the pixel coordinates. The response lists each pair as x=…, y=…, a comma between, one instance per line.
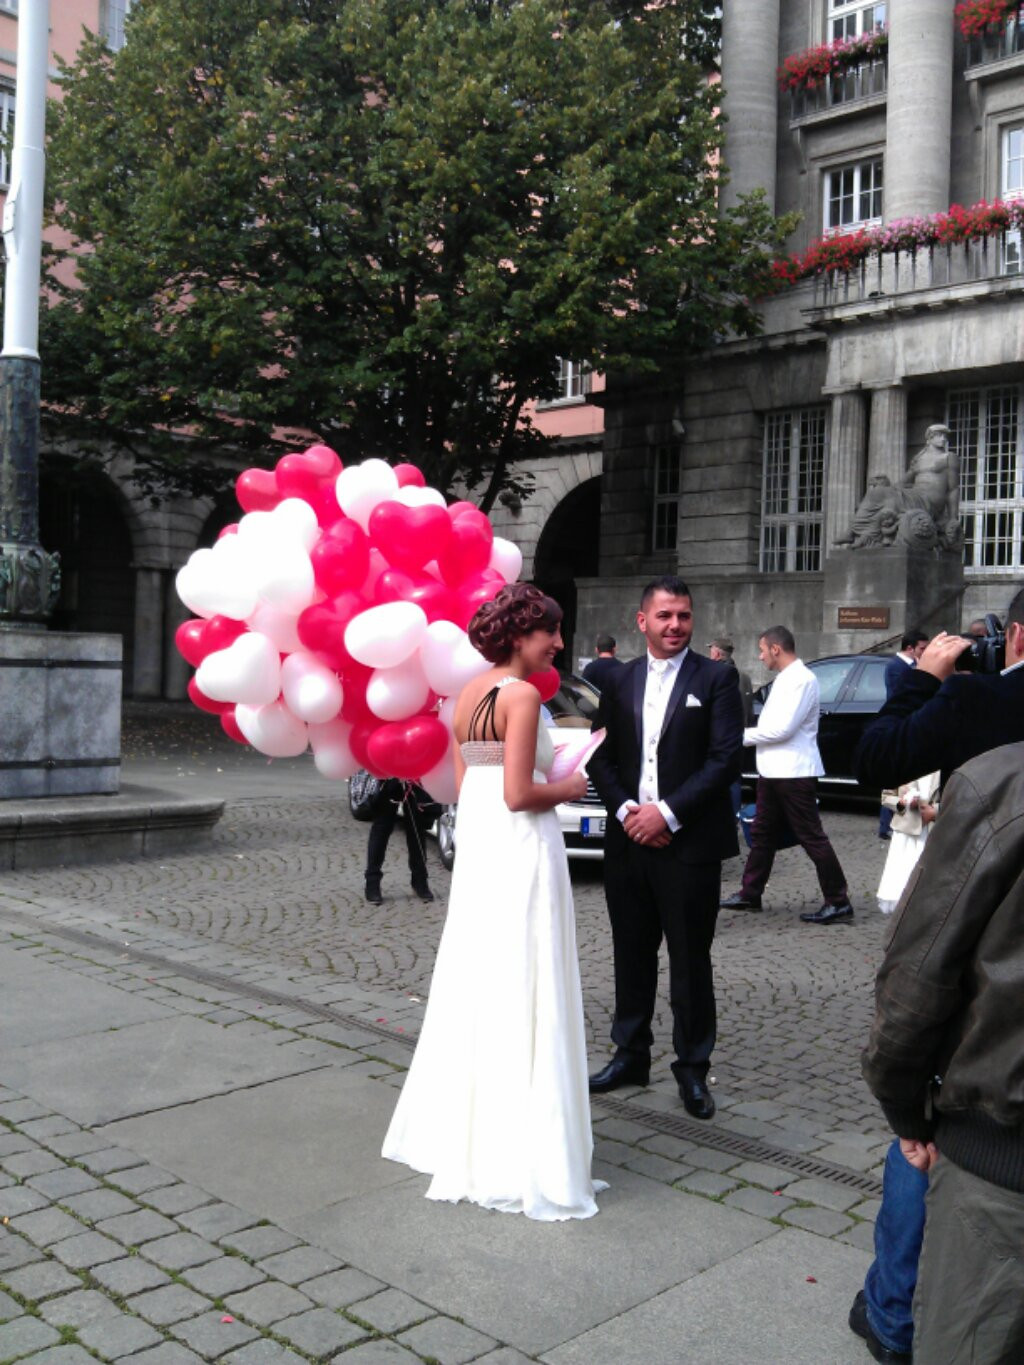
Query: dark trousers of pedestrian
x=415, y=838
x=651, y=896
x=792, y=800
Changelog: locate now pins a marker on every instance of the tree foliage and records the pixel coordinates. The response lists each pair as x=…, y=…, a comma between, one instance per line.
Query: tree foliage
x=381, y=221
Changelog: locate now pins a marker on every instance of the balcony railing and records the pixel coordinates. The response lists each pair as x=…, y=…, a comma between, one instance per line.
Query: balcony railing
x=996, y=43
x=882, y=276
x=845, y=88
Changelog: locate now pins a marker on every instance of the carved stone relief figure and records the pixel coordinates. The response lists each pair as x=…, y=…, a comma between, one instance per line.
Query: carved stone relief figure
x=922, y=512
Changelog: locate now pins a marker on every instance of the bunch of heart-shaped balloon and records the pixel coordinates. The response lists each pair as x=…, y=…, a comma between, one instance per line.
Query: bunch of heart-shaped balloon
x=333, y=615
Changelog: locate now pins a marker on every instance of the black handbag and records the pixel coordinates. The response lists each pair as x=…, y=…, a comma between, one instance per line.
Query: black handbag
x=367, y=795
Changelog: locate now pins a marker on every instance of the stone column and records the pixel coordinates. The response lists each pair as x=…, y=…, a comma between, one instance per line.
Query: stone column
x=147, y=667
x=176, y=671
x=887, y=441
x=750, y=56
x=920, y=108
x=846, y=464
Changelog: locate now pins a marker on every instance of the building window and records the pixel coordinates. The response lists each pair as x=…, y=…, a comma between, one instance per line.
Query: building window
x=8, y=6
x=573, y=379
x=848, y=18
x=1011, y=179
x=794, y=472
x=6, y=133
x=985, y=431
x=115, y=12
x=853, y=195
x=665, y=519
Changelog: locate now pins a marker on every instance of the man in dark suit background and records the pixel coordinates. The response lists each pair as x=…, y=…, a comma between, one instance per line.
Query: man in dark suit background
x=910, y=650
x=674, y=724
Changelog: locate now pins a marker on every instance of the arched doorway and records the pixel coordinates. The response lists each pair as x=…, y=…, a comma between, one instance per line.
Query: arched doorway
x=569, y=548
x=80, y=515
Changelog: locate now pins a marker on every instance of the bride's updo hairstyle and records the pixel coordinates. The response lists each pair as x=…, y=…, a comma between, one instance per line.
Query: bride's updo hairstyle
x=517, y=609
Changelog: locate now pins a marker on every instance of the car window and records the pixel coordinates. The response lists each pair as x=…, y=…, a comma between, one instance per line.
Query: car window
x=574, y=704
x=871, y=683
x=832, y=675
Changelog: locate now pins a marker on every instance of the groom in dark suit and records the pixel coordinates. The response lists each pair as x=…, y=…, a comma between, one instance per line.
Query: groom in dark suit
x=675, y=730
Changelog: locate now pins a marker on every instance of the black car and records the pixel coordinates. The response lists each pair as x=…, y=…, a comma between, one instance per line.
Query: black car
x=852, y=692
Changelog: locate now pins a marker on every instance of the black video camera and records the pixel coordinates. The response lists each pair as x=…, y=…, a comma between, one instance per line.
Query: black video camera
x=987, y=653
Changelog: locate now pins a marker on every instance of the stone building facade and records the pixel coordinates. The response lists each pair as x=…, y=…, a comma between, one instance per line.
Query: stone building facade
x=742, y=471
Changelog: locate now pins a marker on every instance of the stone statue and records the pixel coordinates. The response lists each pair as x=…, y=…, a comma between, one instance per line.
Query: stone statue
x=923, y=511
x=6, y=582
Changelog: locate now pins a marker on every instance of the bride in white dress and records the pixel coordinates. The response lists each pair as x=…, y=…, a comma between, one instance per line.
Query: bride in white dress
x=495, y=1106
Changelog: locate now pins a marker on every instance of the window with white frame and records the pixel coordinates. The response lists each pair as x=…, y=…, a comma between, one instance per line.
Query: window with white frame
x=791, y=496
x=573, y=380
x=986, y=434
x=6, y=132
x=849, y=18
x=115, y=12
x=853, y=194
x=1011, y=183
x=8, y=6
x=667, y=460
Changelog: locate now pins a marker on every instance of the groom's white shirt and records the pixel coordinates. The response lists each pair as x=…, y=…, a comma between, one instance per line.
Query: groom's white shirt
x=657, y=691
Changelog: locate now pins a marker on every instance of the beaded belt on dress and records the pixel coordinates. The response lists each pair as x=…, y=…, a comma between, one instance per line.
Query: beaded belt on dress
x=483, y=753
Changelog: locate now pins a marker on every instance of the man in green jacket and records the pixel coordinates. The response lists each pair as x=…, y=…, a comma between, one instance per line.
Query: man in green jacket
x=948, y=1004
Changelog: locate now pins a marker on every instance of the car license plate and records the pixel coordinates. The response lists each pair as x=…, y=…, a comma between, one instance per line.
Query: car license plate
x=592, y=826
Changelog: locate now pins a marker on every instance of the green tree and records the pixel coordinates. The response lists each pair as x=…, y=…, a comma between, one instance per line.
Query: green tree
x=381, y=221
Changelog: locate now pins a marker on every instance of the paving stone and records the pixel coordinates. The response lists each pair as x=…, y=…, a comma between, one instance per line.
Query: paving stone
x=24, y=1164
x=229, y=1275
x=615, y=1153
x=657, y=1167
x=823, y=1192
x=447, y=1341
x=263, y=1352
x=867, y=1208
x=664, y=1144
x=96, y=1205
x=41, y=1281
x=260, y=1242
x=46, y=1226
x=181, y=1250
x=16, y=1252
x=21, y=1199
x=382, y=1353
x=861, y=1236
x=59, y=1184
x=175, y=1199
x=21, y=1336
x=64, y=1355
x=75, y=1143
x=9, y=1308
x=173, y=1303
x=87, y=1249
x=49, y=1128
x=341, y=1288
x=823, y=1221
x=301, y=1263
x=504, y=1355
x=133, y=1229
x=110, y=1159
x=120, y=1336
x=760, y=1173
x=79, y=1308
x=709, y=1183
x=15, y=1111
x=268, y=1303
x=761, y=1203
x=390, y=1310
x=15, y=1142
x=129, y=1276
x=708, y=1159
x=142, y=1179
x=170, y=1353
x=320, y=1333
x=210, y=1336
x=216, y=1221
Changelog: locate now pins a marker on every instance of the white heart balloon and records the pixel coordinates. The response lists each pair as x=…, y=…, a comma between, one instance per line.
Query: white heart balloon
x=449, y=660
x=292, y=521
x=439, y=782
x=279, y=626
x=398, y=693
x=360, y=487
x=332, y=754
x=284, y=576
x=248, y=671
x=507, y=559
x=273, y=730
x=311, y=690
x=385, y=636
x=412, y=495
x=218, y=581
x=446, y=712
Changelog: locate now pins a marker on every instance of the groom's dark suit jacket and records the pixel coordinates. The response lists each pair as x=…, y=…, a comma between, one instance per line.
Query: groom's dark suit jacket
x=699, y=754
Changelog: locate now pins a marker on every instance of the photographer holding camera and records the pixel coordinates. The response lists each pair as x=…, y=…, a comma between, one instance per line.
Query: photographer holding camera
x=964, y=698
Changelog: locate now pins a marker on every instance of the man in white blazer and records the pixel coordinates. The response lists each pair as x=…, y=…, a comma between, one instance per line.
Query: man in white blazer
x=788, y=766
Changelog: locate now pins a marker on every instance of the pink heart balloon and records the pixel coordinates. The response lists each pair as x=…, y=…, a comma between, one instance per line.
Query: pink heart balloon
x=205, y=703
x=219, y=632
x=341, y=557
x=189, y=641
x=467, y=552
x=230, y=727
x=301, y=475
x=437, y=600
x=408, y=748
x=321, y=627
x=409, y=474
x=546, y=683
x=409, y=536
x=257, y=490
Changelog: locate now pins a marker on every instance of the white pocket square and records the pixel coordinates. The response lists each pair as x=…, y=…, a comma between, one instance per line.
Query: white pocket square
x=691, y=700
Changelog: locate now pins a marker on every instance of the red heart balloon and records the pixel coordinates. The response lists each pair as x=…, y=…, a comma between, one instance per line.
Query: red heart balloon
x=456, y=509
x=472, y=594
x=467, y=552
x=321, y=627
x=438, y=601
x=408, y=536
x=205, y=703
x=219, y=632
x=230, y=727
x=295, y=479
x=341, y=557
x=409, y=475
x=257, y=490
x=546, y=683
x=189, y=640
x=323, y=461
x=324, y=503
x=408, y=748
x=358, y=742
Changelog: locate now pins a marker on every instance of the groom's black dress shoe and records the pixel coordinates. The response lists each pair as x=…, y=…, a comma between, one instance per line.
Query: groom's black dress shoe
x=620, y=1071
x=696, y=1097
x=859, y=1324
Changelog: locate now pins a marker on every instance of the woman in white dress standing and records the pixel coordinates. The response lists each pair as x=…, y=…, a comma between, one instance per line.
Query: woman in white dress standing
x=915, y=806
x=495, y=1106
